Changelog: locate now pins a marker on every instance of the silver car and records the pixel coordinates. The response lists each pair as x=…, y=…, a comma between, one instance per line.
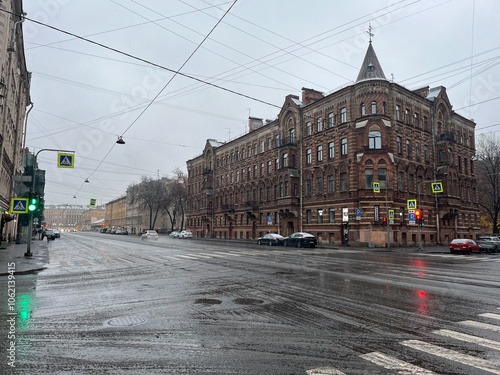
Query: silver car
x=149, y=234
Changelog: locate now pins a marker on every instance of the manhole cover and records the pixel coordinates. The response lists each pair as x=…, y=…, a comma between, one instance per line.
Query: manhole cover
x=208, y=301
x=248, y=301
x=126, y=321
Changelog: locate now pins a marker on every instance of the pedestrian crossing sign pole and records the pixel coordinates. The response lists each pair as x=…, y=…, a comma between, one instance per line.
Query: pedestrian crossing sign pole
x=92, y=202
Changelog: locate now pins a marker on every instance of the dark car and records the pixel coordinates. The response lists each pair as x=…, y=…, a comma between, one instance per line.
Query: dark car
x=464, y=245
x=57, y=234
x=271, y=239
x=300, y=239
x=49, y=233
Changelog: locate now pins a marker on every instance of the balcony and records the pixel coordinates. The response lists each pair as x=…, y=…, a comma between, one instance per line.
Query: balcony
x=207, y=171
x=287, y=142
x=446, y=136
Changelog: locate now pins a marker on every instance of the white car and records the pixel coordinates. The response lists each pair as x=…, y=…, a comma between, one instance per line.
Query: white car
x=149, y=234
x=186, y=234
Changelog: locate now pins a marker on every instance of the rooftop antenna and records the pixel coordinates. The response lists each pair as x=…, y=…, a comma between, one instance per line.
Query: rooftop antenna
x=369, y=32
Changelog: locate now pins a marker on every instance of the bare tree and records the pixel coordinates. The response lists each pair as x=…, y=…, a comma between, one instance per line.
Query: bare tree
x=174, y=202
x=149, y=194
x=488, y=172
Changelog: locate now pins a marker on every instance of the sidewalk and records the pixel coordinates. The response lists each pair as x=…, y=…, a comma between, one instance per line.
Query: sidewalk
x=24, y=265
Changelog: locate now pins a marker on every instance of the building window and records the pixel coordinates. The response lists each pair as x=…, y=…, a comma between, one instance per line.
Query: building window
x=331, y=150
x=281, y=189
x=426, y=153
x=287, y=192
x=320, y=216
x=344, y=186
x=285, y=160
x=408, y=148
x=255, y=171
x=369, y=178
x=343, y=115
x=398, y=112
x=277, y=163
x=374, y=108
x=331, y=215
x=401, y=181
x=426, y=124
x=399, y=144
x=416, y=120
x=291, y=134
x=277, y=141
x=308, y=128
x=384, y=108
x=308, y=216
x=382, y=177
x=331, y=183
x=319, y=185
x=269, y=167
x=262, y=147
x=319, y=153
x=331, y=120
x=308, y=187
x=308, y=156
x=362, y=110
x=374, y=140
x=407, y=116
x=343, y=146
x=319, y=124
x=417, y=151
x=262, y=169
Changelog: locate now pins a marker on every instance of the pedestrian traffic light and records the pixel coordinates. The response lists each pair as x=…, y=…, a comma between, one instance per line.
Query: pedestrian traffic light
x=419, y=216
x=33, y=203
x=384, y=221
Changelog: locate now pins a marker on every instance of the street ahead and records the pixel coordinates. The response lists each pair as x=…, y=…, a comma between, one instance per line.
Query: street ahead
x=119, y=305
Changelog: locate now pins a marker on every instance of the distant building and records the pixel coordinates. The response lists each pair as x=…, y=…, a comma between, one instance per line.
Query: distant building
x=64, y=217
x=93, y=219
x=312, y=169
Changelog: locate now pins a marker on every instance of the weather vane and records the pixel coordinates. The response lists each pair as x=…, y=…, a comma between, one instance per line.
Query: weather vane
x=369, y=32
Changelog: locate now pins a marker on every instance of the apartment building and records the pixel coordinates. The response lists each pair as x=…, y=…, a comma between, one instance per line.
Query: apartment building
x=313, y=168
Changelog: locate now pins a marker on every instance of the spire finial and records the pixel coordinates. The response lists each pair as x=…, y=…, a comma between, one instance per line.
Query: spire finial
x=369, y=32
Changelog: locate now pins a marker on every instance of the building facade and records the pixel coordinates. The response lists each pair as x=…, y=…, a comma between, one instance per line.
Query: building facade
x=64, y=217
x=312, y=169
x=14, y=100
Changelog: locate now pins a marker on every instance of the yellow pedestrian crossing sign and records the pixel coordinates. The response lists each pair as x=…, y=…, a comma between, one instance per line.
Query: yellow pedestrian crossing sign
x=19, y=206
x=376, y=187
x=437, y=187
x=65, y=160
x=412, y=204
x=92, y=202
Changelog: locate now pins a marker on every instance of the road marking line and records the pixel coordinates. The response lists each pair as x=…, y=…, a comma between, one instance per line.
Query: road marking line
x=391, y=363
x=200, y=256
x=125, y=260
x=453, y=356
x=324, y=371
x=186, y=256
x=474, y=324
x=212, y=255
x=490, y=315
x=469, y=338
x=234, y=255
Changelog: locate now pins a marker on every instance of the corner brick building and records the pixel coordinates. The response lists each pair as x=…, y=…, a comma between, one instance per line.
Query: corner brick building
x=312, y=168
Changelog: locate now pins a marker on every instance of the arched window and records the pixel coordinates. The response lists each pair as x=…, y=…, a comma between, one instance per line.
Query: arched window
x=374, y=107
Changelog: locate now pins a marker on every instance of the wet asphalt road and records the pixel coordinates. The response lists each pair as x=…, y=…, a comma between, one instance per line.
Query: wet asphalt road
x=118, y=305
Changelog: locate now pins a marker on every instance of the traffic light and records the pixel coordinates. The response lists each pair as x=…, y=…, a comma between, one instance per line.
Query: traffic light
x=33, y=203
x=384, y=221
x=419, y=216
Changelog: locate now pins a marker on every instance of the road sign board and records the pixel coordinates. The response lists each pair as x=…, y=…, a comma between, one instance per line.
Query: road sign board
x=345, y=215
x=376, y=187
x=19, y=206
x=412, y=218
x=21, y=178
x=92, y=202
x=269, y=220
x=437, y=187
x=412, y=204
x=65, y=160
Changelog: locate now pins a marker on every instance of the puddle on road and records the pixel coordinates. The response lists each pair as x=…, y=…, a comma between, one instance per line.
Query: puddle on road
x=208, y=301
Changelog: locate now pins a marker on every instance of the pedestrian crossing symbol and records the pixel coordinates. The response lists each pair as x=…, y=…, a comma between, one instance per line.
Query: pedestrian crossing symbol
x=92, y=202
x=19, y=205
x=411, y=204
x=65, y=160
x=376, y=187
x=437, y=187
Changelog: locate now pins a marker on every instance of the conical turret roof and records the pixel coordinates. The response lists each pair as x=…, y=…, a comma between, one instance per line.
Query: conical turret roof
x=371, y=68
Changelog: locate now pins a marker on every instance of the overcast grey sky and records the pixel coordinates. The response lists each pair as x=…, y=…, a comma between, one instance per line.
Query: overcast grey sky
x=85, y=95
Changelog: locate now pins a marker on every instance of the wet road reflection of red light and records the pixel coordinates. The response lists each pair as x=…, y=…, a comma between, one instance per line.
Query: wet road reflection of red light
x=422, y=307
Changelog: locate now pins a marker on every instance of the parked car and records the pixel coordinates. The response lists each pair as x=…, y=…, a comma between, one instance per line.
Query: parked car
x=174, y=234
x=49, y=233
x=300, y=239
x=149, y=234
x=487, y=245
x=464, y=245
x=271, y=239
x=489, y=241
x=118, y=231
x=103, y=230
x=186, y=234
x=57, y=234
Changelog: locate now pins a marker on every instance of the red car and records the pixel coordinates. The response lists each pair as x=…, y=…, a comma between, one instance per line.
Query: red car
x=465, y=246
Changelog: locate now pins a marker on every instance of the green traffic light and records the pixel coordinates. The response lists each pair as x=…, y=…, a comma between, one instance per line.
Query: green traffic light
x=33, y=205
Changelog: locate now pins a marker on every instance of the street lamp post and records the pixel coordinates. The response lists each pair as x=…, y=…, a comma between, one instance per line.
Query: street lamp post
x=418, y=205
x=28, y=252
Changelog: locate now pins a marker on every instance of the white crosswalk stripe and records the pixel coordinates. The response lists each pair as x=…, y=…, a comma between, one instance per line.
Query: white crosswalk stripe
x=469, y=338
x=452, y=355
x=474, y=324
x=490, y=315
x=391, y=363
x=324, y=371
